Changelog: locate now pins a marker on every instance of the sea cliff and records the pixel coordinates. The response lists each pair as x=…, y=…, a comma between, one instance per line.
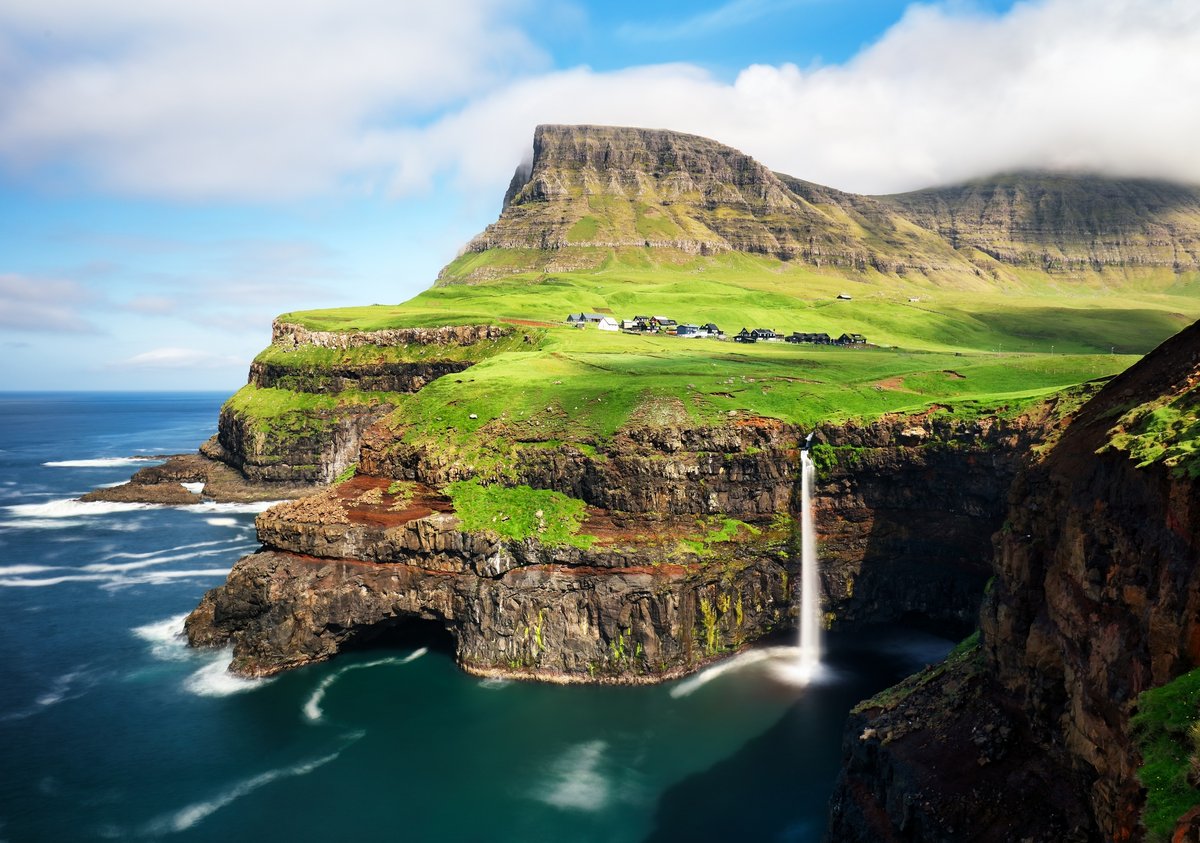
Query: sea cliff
x=1096, y=601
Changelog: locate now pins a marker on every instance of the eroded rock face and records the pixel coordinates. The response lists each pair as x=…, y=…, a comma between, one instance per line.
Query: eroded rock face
x=745, y=470
x=290, y=335
x=515, y=609
x=905, y=512
x=679, y=194
x=377, y=377
x=325, y=443
x=1097, y=598
x=636, y=590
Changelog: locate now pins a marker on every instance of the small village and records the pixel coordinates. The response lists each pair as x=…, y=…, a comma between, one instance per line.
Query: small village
x=709, y=330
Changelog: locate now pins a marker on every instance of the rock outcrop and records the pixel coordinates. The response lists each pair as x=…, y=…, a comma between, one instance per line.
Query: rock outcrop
x=905, y=508
x=301, y=441
x=349, y=564
x=1096, y=599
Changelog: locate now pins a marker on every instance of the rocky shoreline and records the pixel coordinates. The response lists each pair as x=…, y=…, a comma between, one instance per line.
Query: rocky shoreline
x=164, y=484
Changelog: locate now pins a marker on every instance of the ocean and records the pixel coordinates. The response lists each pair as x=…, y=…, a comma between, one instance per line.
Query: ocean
x=113, y=729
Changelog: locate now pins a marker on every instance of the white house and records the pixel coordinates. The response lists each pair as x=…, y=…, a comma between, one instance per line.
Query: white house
x=607, y=323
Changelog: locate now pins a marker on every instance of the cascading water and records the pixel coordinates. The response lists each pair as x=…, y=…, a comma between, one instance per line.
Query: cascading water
x=810, y=586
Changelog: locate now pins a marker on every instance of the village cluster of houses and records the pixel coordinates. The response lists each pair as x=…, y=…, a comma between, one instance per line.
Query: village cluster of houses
x=665, y=325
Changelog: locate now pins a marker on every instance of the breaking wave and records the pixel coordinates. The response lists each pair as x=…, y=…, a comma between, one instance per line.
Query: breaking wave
x=215, y=680
x=73, y=508
x=102, y=462
x=212, y=506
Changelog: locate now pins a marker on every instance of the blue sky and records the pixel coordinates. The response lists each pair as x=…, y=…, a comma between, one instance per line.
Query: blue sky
x=174, y=175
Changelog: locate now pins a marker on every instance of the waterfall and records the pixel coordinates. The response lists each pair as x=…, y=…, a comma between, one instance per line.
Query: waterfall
x=810, y=584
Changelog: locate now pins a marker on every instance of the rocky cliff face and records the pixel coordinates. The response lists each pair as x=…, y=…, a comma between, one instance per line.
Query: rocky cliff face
x=1061, y=223
x=348, y=565
x=905, y=508
x=656, y=595
x=1096, y=599
x=311, y=434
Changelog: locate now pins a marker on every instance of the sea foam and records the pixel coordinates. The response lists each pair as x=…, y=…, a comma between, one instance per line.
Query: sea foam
x=165, y=638
x=312, y=708
x=185, y=818
x=73, y=508
x=577, y=780
x=101, y=462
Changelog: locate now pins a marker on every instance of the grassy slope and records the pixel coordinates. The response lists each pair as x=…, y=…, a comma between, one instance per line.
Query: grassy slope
x=1128, y=312
x=975, y=346
x=1167, y=728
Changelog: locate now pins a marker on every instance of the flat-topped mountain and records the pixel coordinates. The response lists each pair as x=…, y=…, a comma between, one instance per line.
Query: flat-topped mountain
x=590, y=191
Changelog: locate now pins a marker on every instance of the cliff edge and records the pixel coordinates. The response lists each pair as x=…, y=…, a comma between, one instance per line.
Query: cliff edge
x=1026, y=733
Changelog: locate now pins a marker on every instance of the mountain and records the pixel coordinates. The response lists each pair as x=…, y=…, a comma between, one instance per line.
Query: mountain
x=1059, y=222
x=590, y=191
x=575, y=505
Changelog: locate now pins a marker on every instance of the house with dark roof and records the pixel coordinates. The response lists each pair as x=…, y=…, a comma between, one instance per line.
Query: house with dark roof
x=584, y=318
x=851, y=339
x=745, y=336
x=764, y=334
x=815, y=339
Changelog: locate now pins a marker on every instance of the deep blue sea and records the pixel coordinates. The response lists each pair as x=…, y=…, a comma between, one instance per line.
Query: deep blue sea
x=111, y=728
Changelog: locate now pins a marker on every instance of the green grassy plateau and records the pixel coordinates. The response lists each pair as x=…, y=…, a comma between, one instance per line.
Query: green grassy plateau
x=968, y=351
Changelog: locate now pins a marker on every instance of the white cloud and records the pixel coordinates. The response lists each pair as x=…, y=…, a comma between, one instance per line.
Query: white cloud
x=41, y=305
x=277, y=99
x=946, y=94
x=179, y=358
x=262, y=98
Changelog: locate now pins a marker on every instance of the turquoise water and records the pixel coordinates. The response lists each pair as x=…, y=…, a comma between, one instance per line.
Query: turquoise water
x=113, y=729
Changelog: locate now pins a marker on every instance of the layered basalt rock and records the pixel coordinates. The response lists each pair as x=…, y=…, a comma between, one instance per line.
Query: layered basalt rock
x=311, y=446
x=1096, y=599
x=1061, y=223
x=362, y=377
x=905, y=509
x=745, y=470
x=631, y=608
x=590, y=190
x=637, y=589
x=291, y=335
x=323, y=444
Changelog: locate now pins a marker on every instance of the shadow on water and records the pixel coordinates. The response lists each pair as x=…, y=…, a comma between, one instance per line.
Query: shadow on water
x=776, y=787
x=403, y=633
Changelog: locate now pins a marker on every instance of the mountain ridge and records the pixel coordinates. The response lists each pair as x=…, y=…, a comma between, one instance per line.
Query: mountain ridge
x=590, y=190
